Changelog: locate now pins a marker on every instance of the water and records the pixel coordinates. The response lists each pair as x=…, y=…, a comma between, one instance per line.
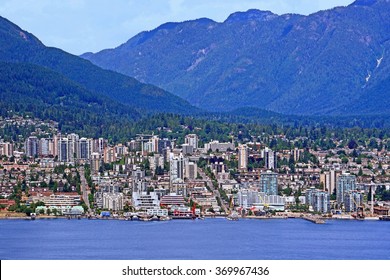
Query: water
x=216, y=239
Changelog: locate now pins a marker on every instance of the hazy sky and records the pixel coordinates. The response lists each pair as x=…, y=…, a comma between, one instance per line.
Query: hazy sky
x=78, y=26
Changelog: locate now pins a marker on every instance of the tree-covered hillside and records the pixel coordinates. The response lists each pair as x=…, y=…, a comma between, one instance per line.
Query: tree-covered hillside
x=34, y=91
x=331, y=62
x=20, y=46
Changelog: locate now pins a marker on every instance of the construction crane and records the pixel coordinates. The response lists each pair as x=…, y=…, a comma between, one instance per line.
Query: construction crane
x=359, y=210
x=266, y=205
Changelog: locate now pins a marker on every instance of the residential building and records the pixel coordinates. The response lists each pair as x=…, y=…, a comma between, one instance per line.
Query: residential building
x=192, y=140
x=269, y=157
x=96, y=163
x=187, y=149
x=352, y=200
x=191, y=170
x=216, y=146
x=269, y=183
x=31, y=146
x=243, y=157
x=6, y=149
x=113, y=201
x=318, y=200
x=345, y=183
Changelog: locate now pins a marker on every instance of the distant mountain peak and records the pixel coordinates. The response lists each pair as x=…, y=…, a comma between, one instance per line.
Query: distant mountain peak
x=252, y=14
x=368, y=2
x=295, y=64
x=9, y=29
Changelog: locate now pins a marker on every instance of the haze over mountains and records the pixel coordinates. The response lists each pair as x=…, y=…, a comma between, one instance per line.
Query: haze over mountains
x=333, y=62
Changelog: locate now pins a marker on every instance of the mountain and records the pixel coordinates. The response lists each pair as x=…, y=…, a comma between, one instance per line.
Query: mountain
x=19, y=46
x=333, y=62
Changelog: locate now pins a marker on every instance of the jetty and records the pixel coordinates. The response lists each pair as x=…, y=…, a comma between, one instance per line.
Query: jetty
x=314, y=219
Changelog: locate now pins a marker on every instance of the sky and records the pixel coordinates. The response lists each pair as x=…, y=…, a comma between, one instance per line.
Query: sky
x=79, y=26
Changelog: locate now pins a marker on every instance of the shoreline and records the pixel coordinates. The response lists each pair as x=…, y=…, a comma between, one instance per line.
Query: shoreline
x=347, y=218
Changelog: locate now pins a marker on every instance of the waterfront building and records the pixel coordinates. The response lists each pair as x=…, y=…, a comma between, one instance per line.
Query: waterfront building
x=318, y=200
x=172, y=199
x=352, y=200
x=345, y=183
x=60, y=210
x=113, y=201
x=157, y=212
x=270, y=202
x=309, y=196
x=243, y=157
x=144, y=201
x=247, y=199
x=64, y=199
x=269, y=183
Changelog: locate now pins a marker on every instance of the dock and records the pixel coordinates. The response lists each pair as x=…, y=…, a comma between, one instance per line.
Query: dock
x=314, y=219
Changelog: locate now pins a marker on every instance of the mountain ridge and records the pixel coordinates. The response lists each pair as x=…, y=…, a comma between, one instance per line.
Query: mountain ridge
x=20, y=46
x=315, y=64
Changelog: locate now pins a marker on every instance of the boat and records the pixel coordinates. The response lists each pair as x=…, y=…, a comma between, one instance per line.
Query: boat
x=233, y=216
x=165, y=218
x=33, y=216
x=142, y=216
x=384, y=218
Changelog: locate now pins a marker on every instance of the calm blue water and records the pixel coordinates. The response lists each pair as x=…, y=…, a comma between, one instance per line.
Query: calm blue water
x=201, y=239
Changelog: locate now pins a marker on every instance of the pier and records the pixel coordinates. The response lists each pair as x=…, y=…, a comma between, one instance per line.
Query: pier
x=314, y=219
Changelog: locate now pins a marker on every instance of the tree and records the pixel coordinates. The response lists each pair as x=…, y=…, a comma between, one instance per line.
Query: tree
x=287, y=191
x=55, y=211
x=352, y=144
x=28, y=211
x=48, y=211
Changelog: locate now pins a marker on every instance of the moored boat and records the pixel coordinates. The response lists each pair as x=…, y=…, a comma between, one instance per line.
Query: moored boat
x=233, y=216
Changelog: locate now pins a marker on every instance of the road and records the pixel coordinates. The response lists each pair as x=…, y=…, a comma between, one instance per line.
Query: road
x=84, y=185
x=211, y=187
